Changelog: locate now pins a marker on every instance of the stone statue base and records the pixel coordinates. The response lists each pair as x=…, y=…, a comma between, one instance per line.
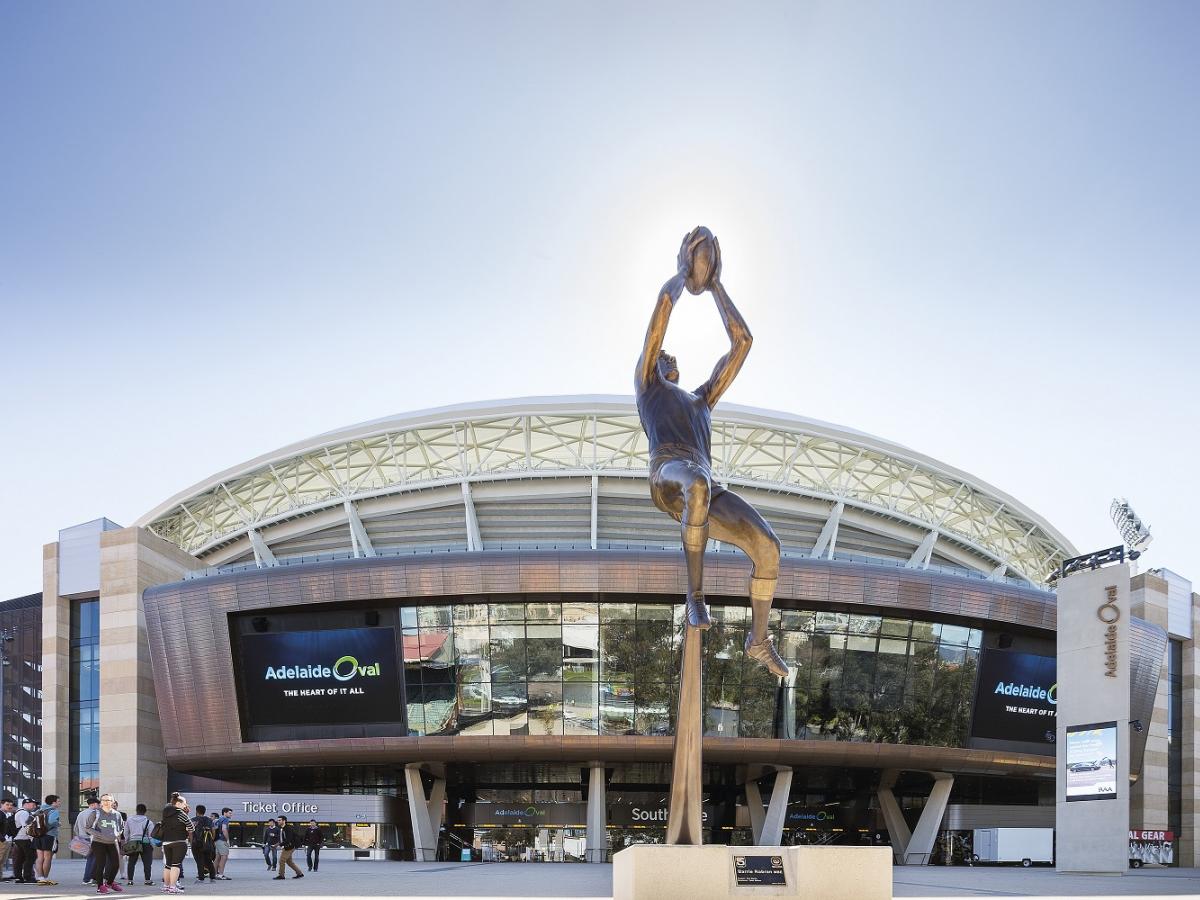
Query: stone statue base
x=665, y=872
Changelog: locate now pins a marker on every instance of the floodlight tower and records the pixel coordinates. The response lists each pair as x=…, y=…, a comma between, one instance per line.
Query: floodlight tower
x=1134, y=533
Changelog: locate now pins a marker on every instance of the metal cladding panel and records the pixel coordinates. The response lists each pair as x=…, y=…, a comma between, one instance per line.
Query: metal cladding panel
x=965, y=817
x=1147, y=648
x=190, y=644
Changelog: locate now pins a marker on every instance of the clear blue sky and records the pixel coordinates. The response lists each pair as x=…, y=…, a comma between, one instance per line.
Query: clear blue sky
x=969, y=228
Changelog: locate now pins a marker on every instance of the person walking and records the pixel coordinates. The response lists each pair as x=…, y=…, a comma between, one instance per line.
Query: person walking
x=137, y=844
x=174, y=831
x=289, y=840
x=314, y=839
x=79, y=830
x=202, y=845
x=221, y=844
x=43, y=828
x=271, y=844
x=104, y=826
x=23, y=853
x=8, y=831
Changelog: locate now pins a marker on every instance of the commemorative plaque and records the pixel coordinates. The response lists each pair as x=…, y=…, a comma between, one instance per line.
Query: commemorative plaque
x=758, y=870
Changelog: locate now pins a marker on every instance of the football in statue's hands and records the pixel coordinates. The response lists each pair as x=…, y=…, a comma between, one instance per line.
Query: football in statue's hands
x=703, y=253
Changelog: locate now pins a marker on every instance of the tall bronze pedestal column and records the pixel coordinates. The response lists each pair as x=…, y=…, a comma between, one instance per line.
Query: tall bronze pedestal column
x=684, y=821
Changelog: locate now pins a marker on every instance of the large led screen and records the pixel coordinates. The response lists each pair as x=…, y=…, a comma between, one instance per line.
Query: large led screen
x=1016, y=697
x=336, y=677
x=1092, y=762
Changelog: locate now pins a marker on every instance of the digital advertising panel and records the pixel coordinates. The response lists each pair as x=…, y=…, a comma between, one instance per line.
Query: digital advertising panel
x=1016, y=698
x=1091, y=762
x=333, y=677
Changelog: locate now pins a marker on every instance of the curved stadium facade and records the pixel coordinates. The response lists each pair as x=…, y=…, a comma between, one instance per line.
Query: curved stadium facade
x=478, y=610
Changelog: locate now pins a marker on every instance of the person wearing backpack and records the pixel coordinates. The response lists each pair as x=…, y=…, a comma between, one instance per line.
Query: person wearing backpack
x=43, y=828
x=137, y=843
x=104, y=826
x=290, y=841
x=23, y=853
x=203, y=850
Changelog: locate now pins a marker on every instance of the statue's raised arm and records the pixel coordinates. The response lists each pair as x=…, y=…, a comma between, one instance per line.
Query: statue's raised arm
x=671, y=291
x=740, y=339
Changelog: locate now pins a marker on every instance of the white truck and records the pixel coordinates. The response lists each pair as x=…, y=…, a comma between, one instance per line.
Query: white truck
x=1013, y=845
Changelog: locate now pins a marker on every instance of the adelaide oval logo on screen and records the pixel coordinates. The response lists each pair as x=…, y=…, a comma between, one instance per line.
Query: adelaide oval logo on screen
x=345, y=668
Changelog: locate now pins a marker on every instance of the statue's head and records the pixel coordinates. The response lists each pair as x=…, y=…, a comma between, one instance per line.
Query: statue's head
x=667, y=367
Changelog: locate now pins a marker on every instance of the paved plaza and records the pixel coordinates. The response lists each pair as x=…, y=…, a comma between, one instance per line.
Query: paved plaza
x=547, y=881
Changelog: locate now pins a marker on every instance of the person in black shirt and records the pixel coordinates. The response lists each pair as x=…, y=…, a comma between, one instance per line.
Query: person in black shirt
x=8, y=831
x=289, y=840
x=203, y=849
x=314, y=838
x=176, y=829
x=270, y=846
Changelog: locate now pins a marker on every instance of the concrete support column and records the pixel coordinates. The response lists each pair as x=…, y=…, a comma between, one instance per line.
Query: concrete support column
x=920, y=845
x=426, y=814
x=597, y=815
x=914, y=848
x=1189, y=805
x=766, y=825
x=56, y=675
x=133, y=765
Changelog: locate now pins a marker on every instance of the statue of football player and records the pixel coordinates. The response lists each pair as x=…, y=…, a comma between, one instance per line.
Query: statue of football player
x=678, y=424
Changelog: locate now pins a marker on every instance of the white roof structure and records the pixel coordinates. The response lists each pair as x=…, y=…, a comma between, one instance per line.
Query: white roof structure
x=571, y=471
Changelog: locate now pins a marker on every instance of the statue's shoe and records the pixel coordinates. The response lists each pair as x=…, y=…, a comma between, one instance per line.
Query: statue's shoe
x=697, y=612
x=765, y=654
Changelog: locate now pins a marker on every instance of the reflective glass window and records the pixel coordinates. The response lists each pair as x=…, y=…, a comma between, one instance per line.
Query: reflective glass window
x=955, y=635
x=543, y=612
x=580, y=612
x=653, y=703
x=862, y=624
x=508, y=652
x=545, y=707
x=470, y=614
x=580, y=705
x=618, y=612
x=830, y=622
x=471, y=645
x=616, y=708
x=581, y=652
x=797, y=619
x=895, y=627
x=618, y=646
x=507, y=612
x=544, y=651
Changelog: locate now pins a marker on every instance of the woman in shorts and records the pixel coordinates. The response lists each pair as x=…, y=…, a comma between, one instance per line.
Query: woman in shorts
x=176, y=831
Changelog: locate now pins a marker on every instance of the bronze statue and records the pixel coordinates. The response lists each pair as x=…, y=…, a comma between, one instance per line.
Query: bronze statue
x=678, y=424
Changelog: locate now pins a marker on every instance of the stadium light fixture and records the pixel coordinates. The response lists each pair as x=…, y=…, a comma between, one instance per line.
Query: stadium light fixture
x=1134, y=533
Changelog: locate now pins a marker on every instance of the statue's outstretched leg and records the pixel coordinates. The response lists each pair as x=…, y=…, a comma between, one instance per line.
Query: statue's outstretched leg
x=735, y=521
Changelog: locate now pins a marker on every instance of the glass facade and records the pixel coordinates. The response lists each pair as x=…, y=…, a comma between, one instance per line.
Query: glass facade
x=21, y=699
x=1175, y=736
x=531, y=664
x=84, y=762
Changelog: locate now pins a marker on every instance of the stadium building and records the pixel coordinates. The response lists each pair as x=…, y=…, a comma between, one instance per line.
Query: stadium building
x=456, y=632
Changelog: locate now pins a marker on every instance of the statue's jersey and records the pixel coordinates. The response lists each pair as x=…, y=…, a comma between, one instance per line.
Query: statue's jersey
x=677, y=423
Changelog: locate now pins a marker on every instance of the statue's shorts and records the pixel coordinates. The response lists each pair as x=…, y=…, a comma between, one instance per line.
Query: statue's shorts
x=667, y=492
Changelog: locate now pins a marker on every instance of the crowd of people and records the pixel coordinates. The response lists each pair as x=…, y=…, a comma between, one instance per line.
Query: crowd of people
x=104, y=835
